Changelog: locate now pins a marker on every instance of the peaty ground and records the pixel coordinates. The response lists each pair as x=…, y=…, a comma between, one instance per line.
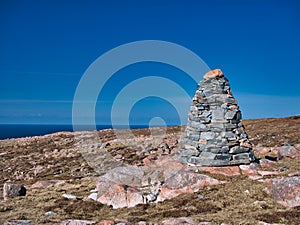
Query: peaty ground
x=57, y=158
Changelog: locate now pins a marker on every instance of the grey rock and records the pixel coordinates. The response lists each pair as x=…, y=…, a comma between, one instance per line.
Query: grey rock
x=13, y=190
x=230, y=115
x=238, y=149
x=207, y=135
x=207, y=155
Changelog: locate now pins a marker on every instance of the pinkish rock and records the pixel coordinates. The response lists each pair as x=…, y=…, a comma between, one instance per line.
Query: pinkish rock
x=214, y=73
x=185, y=182
x=107, y=222
x=128, y=175
x=250, y=170
x=77, y=222
x=297, y=146
x=168, y=165
x=39, y=169
x=274, y=150
x=13, y=190
x=119, y=196
x=149, y=160
x=265, y=163
x=264, y=223
x=142, y=223
x=285, y=190
x=179, y=221
x=225, y=170
x=46, y=183
x=288, y=152
x=267, y=173
x=292, y=174
x=261, y=150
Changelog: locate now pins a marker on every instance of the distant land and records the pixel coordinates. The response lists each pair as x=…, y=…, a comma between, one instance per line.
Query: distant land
x=28, y=130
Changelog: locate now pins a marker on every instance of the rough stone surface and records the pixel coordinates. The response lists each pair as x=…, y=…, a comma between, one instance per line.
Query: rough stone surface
x=288, y=152
x=214, y=126
x=46, y=183
x=77, y=222
x=184, y=182
x=13, y=190
x=285, y=190
x=107, y=222
x=226, y=171
x=120, y=195
x=163, y=179
x=179, y=221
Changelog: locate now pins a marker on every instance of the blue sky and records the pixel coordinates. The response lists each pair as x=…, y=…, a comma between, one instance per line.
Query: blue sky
x=46, y=47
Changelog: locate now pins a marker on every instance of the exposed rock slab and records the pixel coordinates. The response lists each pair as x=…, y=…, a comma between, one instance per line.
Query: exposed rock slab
x=285, y=190
x=166, y=178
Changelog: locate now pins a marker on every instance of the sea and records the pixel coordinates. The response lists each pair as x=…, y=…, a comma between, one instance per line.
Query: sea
x=27, y=130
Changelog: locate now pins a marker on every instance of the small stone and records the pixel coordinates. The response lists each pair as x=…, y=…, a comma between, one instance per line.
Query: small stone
x=49, y=213
x=202, y=141
x=213, y=74
x=230, y=115
x=264, y=223
x=207, y=135
x=265, y=163
x=288, y=152
x=226, y=170
x=267, y=173
x=13, y=190
x=239, y=149
x=178, y=221
x=77, y=222
x=208, y=155
x=93, y=196
x=46, y=183
x=250, y=170
x=142, y=223
x=107, y=222
x=69, y=196
x=242, y=156
x=200, y=196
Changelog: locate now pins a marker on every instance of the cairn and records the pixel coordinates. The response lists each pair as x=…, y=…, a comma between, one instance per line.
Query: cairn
x=215, y=135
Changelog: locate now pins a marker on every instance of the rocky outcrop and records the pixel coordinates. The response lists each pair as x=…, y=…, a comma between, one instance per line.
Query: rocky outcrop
x=164, y=179
x=285, y=190
x=215, y=135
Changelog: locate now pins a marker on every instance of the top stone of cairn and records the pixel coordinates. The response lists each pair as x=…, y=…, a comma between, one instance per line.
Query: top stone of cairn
x=213, y=74
x=215, y=135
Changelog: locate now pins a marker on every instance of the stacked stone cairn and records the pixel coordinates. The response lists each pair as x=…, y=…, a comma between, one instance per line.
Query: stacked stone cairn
x=215, y=135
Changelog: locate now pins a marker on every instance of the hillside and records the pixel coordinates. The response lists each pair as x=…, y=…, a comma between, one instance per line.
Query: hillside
x=55, y=158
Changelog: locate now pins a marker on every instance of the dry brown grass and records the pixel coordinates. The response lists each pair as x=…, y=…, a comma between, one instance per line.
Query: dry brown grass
x=238, y=201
